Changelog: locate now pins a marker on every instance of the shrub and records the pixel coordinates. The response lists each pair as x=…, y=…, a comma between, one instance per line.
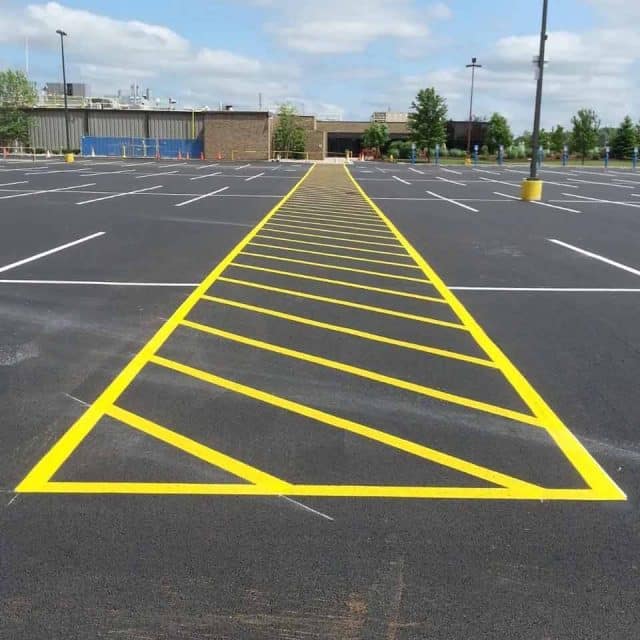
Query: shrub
x=457, y=153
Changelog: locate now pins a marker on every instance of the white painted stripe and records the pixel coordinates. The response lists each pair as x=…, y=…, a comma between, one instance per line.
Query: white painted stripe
x=380, y=170
x=595, y=256
x=542, y=204
x=35, y=193
x=206, y=175
x=102, y=283
x=493, y=173
x=306, y=508
x=204, y=195
x=416, y=170
x=244, y=166
x=120, y=195
x=109, y=173
x=461, y=184
x=459, y=173
x=516, y=171
x=253, y=177
x=545, y=289
x=599, y=200
x=400, y=180
x=46, y=173
x=605, y=184
x=159, y=173
x=13, y=265
x=634, y=182
x=172, y=164
x=207, y=166
x=509, y=184
x=9, y=184
x=506, y=195
x=459, y=204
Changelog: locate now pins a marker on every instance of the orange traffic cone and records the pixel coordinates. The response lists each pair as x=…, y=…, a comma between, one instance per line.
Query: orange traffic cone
x=188, y=156
x=202, y=155
x=179, y=155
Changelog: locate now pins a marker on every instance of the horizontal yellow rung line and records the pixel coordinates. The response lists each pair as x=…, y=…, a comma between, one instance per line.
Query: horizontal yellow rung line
x=315, y=235
x=262, y=235
x=395, y=442
x=319, y=212
x=322, y=265
x=337, y=209
x=445, y=353
x=404, y=265
x=342, y=283
x=369, y=375
x=334, y=228
x=346, y=303
x=344, y=222
x=195, y=449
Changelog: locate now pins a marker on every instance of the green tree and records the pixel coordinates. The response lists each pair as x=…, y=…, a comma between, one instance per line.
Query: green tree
x=625, y=139
x=544, y=139
x=16, y=95
x=427, y=122
x=375, y=136
x=586, y=126
x=557, y=139
x=498, y=132
x=288, y=137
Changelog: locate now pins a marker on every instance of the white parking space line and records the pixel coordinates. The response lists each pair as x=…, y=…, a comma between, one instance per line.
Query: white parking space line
x=119, y=195
x=46, y=173
x=159, y=173
x=604, y=184
x=517, y=171
x=250, y=178
x=104, y=283
x=542, y=204
x=207, y=175
x=109, y=173
x=459, y=173
x=634, y=182
x=459, y=204
x=62, y=247
x=204, y=195
x=596, y=256
x=493, y=173
x=601, y=201
x=35, y=193
x=509, y=184
x=400, y=180
x=416, y=170
x=207, y=166
x=461, y=184
x=543, y=289
x=9, y=184
x=244, y=166
x=172, y=164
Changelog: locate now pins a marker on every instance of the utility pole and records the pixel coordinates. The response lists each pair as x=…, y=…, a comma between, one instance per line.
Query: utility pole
x=62, y=35
x=473, y=67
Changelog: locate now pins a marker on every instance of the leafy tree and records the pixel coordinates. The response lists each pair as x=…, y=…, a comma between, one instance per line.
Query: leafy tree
x=375, y=136
x=584, y=136
x=16, y=94
x=427, y=122
x=524, y=141
x=625, y=139
x=557, y=139
x=498, y=132
x=288, y=136
x=544, y=139
x=606, y=136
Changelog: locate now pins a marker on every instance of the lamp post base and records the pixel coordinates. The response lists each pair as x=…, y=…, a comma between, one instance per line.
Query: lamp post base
x=69, y=157
x=531, y=190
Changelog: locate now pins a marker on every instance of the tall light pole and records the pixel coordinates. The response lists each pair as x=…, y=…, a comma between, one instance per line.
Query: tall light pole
x=62, y=34
x=535, y=138
x=473, y=66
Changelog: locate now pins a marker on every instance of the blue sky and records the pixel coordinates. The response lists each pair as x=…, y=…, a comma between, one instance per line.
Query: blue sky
x=341, y=58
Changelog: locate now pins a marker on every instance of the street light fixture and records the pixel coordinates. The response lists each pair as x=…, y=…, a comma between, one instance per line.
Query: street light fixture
x=62, y=35
x=473, y=67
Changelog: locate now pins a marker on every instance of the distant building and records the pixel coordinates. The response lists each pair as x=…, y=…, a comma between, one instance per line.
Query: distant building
x=389, y=116
x=74, y=89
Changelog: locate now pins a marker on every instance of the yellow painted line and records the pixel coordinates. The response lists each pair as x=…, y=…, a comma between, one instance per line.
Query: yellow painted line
x=323, y=265
x=47, y=466
x=334, y=210
x=345, y=303
x=375, y=337
x=351, y=221
x=404, y=265
x=362, y=430
x=470, y=403
x=592, y=473
x=342, y=283
x=333, y=228
x=266, y=231
x=196, y=449
x=316, y=235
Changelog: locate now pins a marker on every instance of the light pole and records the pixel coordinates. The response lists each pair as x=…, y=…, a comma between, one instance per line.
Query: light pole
x=535, y=138
x=62, y=35
x=473, y=67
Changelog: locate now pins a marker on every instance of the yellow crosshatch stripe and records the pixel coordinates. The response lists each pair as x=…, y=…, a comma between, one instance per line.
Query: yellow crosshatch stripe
x=46, y=467
x=463, y=401
x=196, y=449
x=353, y=332
x=333, y=228
x=341, y=221
x=264, y=235
x=343, y=283
x=345, y=303
x=404, y=265
x=282, y=232
x=591, y=472
x=336, y=267
x=388, y=439
x=321, y=211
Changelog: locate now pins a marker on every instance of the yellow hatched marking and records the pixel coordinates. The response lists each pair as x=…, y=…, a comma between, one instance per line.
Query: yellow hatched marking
x=369, y=375
x=196, y=449
x=345, y=303
x=336, y=267
x=265, y=233
x=337, y=211
x=404, y=265
x=315, y=235
x=370, y=433
x=351, y=221
x=591, y=472
x=333, y=228
x=343, y=283
x=445, y=353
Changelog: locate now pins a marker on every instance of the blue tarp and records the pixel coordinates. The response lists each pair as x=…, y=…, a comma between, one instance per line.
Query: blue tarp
x=140, y=147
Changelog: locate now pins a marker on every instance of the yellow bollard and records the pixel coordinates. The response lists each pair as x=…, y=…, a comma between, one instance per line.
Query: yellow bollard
x=467, y=161
x=531, y=190
x=69, y=157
